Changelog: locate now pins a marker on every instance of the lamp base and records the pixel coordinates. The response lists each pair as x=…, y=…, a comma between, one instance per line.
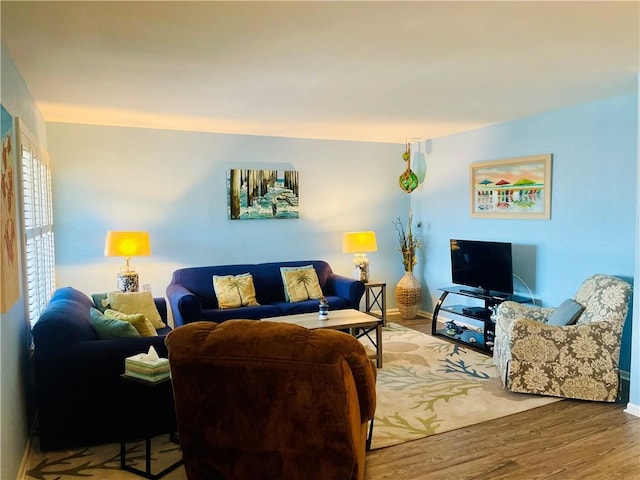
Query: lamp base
x=128, y=281
x=361, y=267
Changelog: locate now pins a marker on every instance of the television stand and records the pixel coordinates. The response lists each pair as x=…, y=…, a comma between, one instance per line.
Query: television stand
x=479, y=334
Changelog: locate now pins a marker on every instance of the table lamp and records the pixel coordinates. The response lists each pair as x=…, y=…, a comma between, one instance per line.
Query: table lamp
x=127, y=245
x=359, y=243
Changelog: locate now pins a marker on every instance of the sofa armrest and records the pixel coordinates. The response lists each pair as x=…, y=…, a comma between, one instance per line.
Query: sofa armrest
x=576, y=361
x=161, y=305
x=95, y=358
x=185, y=306
x=346, y=287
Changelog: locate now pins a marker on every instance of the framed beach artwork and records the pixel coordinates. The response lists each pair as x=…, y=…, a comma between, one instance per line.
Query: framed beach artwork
x=262, y=194
x=512, y=188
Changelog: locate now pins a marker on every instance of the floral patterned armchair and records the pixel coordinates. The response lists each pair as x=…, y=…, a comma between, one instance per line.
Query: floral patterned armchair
x=573, y=361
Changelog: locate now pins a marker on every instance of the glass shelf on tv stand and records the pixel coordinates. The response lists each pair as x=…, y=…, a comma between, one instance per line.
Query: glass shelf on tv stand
x=466, y=331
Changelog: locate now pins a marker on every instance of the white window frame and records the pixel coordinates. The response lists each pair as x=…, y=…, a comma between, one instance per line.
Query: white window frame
x=38, y=248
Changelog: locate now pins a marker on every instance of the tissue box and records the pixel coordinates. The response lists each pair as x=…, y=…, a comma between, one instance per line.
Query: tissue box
x=139, y=366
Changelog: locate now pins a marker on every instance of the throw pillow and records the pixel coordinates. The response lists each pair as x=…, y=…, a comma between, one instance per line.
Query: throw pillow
x=100, y=301
x=138, y=320
x=108, y=328
x=233, y=291
x=136, y=302
x=566, y=314
x=300, y=283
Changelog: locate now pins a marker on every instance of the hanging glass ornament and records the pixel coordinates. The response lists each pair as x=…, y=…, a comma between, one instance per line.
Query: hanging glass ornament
x=408, y=180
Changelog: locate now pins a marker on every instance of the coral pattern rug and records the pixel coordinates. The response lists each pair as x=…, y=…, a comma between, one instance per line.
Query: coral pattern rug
x=427, y=386
x=430, y=386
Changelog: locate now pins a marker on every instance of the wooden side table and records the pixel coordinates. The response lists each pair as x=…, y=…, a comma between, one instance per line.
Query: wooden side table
x=376, y=296
x=154, y=415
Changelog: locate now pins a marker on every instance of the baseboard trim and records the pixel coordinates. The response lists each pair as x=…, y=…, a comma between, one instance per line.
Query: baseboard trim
x=633, y=409
x=24, y=465
x=421, y=313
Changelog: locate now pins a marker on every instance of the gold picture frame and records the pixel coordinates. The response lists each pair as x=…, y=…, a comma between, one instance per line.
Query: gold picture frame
x=512, y=188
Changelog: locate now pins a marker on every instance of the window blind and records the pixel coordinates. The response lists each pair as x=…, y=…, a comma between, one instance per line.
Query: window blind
x=39, y=248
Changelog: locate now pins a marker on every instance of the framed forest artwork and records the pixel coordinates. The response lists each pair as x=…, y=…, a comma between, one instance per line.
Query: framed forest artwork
x=512, y=188
x=262, y=194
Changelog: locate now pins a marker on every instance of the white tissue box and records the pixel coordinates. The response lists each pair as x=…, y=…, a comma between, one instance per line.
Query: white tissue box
x=139, y=366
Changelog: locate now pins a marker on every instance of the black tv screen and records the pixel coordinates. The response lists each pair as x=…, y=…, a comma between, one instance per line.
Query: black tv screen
x=485, y=265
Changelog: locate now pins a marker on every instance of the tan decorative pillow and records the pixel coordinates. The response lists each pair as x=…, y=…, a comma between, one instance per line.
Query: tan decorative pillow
x=233, y=291
x=138, y=320
x=136, y=302
x=300, y=283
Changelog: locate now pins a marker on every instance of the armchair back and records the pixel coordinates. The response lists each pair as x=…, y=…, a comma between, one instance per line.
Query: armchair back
x=260, y=399
x=605, y=298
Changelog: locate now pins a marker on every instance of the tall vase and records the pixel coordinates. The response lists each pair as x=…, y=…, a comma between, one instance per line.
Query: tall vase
x=408, y=296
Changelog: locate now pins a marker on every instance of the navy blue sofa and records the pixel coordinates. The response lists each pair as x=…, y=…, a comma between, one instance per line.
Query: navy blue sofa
x=78, y=375
x=192, y=297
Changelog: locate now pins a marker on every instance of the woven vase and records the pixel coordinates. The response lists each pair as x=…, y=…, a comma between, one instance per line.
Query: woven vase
x=408, y=296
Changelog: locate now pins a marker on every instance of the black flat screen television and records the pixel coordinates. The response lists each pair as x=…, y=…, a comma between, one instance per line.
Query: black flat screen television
x=484, y=265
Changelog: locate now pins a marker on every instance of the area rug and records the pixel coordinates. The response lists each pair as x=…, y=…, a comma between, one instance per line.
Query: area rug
x=426, y=386
x=429, y=386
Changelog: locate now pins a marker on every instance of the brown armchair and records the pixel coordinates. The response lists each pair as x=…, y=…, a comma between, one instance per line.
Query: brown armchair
x=259, y=399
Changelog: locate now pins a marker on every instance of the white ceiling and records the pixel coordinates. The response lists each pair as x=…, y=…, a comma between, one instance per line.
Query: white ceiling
x=368, y=71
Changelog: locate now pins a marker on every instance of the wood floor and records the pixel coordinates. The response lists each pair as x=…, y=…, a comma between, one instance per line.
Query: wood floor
x=565, y=440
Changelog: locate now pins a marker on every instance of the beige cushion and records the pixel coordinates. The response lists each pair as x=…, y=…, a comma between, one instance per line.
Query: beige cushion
x=233, y=291
x=300, y=283
x=136, y=302
x=138, y=320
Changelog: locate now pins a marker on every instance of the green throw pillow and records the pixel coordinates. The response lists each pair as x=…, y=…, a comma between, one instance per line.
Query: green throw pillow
x=108, y=328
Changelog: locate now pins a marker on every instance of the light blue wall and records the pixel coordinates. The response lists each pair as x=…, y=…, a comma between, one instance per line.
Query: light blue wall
x=16, y=98
x=594, y=188
x=173, y=184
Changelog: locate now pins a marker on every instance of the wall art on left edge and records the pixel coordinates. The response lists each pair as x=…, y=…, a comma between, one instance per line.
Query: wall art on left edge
x=9, y=288
x=262, y=194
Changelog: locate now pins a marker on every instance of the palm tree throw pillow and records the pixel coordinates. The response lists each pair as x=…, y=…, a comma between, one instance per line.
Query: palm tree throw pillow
x=300, y=283
x=233, y=291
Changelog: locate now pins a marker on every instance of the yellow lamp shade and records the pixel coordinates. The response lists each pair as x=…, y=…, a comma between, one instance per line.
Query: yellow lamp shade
x=359, y=242
x=127, y=244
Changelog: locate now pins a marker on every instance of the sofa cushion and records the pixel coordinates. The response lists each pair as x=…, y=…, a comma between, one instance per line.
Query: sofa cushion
x=108, y=328
x=138, y=320
x=244, y=313
x=300, y=283
x=233, y=291
x=136, y=302
x=310, y=306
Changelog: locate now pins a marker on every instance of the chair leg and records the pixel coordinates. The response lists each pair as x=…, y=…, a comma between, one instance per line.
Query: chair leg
x=370, y=436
